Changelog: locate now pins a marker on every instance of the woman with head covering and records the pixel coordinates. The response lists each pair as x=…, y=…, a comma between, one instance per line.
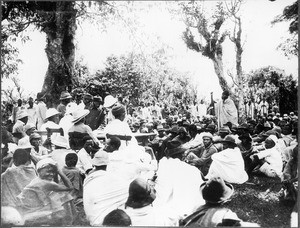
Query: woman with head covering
x=43, y=201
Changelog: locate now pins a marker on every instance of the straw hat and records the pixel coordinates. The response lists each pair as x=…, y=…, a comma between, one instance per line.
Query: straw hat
x=109, y=100
x=60, y=141
x=228, y=139
x=51, y=112
x=79, y=114
x=29, y=126
x=22, y=114
x=65, y=95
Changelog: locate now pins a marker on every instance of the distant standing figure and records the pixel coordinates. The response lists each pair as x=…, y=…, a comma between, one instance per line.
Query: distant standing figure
x=40, y=111
x=226, y=111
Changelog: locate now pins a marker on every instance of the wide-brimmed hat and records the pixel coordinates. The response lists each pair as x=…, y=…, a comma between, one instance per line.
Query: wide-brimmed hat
x=44, y=162
x=79, y=114
x=216, y=191
x=65, y=95
x=228, y=139
x=210, y=127
x=21, y=114
x=140, y=194
x=87, y=96
x=97, y=98
x=245, y=136
x=51, y=112
x=109, y=100
x=29, y=126
x=100, y=158
x=224, y=129
x=270, y=132
x=174, y=129
x=244, y=126
x=60, y=141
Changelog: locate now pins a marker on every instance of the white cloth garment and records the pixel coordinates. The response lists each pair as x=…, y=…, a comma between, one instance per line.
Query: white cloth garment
x=103, y=192
x=229, y=165
x=177, y=187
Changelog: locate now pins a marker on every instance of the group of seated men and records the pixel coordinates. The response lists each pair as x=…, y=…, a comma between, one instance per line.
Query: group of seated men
x=120, y=180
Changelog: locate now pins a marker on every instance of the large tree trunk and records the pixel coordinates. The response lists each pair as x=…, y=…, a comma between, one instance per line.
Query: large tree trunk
x=239, y=72
x=60, y=51
x=218, y=66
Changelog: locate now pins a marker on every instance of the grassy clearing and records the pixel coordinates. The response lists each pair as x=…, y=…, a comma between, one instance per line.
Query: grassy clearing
x=258, y=201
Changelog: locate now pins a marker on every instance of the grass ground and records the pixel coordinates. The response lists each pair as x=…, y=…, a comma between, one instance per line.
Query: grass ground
x=256, y=201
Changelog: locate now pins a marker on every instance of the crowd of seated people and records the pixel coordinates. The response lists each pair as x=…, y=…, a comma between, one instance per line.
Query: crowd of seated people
x=130, y=163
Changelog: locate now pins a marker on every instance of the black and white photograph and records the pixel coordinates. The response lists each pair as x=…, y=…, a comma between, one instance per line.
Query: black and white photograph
x=149, y=113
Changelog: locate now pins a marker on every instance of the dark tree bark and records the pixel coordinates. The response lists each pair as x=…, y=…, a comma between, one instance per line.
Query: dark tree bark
x=60, y=50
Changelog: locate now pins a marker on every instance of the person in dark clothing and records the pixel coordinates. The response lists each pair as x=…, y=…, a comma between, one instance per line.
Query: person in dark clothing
x=96, y=117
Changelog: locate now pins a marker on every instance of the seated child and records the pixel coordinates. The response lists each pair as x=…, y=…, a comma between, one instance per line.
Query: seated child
x=73, y=174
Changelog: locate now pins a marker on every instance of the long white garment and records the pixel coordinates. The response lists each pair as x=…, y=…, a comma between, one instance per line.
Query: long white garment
x=51, y=125
x=151, y=216
x=84, y=161
x=41, y=109
x=103, y=192
x=226, y=112
x=273, y=157
x=177, y=187
x=229, y=165
x=66, y=123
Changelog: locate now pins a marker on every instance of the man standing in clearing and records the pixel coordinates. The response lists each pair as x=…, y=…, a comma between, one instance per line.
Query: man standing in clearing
x=226, y=111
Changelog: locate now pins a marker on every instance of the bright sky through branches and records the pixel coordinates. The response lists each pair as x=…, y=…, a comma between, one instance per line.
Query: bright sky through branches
x=94, y=46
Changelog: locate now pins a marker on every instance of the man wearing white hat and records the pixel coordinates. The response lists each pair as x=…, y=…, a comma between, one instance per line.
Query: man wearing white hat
x=79, y=126
x=66, y=122
x=18, y=130
x=52, y=115
x=109, y=102
x=61, y=150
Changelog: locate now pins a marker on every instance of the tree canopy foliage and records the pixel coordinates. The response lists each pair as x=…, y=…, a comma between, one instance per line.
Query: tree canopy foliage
x=290, y=14
x=126, y=76
x=275, y=86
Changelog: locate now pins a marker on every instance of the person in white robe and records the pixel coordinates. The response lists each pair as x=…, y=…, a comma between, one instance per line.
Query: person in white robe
x=228, y=163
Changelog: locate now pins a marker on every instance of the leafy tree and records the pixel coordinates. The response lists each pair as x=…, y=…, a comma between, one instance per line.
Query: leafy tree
x=57, y=19
x=290, y=45
x=275, y=86
x=210, y=32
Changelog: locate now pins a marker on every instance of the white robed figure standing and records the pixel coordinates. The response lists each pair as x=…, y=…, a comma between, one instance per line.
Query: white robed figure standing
x=226, y=111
